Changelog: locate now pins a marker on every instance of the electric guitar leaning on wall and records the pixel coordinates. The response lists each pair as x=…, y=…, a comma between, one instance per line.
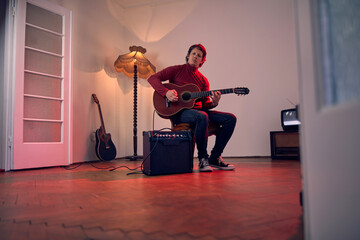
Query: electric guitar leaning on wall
x=104, y=147
x=187, y=95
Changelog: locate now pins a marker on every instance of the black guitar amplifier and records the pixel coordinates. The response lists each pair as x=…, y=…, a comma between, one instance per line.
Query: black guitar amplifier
x=167, y=152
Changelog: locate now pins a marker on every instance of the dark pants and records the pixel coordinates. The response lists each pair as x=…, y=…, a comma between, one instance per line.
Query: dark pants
x=200, y=120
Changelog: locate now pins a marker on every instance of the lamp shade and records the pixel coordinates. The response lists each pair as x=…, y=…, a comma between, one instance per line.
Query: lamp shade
x=125, y=63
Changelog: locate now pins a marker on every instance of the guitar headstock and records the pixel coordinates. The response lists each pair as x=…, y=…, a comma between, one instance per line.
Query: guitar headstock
x=96, y=100
x=241, y=91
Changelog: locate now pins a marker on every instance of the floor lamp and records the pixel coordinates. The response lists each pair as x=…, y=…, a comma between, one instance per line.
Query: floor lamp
x=135, y=64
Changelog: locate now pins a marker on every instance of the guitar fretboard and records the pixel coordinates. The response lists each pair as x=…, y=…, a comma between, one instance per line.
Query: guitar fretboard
x=209, y=93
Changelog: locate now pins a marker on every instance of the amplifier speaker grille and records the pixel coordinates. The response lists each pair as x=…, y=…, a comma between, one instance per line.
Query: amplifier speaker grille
x=167, y=152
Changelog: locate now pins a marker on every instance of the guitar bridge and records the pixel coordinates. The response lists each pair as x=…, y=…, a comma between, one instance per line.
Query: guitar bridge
x=167, y=103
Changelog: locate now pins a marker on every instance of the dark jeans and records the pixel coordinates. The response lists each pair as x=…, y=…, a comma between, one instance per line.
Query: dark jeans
x=200, y=120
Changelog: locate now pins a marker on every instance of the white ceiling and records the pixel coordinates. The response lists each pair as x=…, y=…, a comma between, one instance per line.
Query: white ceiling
x=139, y=3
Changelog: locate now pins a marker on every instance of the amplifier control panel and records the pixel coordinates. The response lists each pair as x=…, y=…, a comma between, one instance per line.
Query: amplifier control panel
x=170, y=134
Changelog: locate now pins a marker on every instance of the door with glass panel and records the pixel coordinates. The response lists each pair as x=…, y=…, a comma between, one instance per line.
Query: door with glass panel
x=42, y=85
x=329, y=60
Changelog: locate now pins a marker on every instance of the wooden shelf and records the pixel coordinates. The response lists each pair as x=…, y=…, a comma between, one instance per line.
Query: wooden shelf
x=285, y=145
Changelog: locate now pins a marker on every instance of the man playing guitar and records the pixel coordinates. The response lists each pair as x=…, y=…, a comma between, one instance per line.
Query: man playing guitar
x=200, y=115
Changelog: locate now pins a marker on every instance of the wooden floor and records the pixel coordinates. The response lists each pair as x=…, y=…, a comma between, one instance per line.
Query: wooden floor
x=259, y=200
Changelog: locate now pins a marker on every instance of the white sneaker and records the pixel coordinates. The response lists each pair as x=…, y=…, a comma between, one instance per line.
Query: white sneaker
x=204, y=165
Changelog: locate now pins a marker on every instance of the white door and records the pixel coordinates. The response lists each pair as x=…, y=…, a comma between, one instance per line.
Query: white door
x=329, y=75
x=42, y=85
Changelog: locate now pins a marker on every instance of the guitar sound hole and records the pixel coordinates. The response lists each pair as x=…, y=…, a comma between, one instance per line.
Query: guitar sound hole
x=186, y=96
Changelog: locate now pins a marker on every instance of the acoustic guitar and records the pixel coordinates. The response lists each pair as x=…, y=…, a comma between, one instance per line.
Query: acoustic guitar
x=187, y=95
x=104, y=147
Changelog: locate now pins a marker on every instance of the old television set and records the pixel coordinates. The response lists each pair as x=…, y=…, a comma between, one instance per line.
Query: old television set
x=290, y=119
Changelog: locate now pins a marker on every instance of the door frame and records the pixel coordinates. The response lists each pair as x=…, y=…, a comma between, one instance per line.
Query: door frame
x=8, y=91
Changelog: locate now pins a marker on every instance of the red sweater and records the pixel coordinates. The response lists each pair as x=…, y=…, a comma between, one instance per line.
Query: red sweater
x=181, y=75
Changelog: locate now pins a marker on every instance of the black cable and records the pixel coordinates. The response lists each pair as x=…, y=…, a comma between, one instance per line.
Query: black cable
x=113, y=168
x=124, y=166
x=154, y=120
x=138, y=172
x=154, y=147
x=144, y=158
x=100, y=168
x=72, y=168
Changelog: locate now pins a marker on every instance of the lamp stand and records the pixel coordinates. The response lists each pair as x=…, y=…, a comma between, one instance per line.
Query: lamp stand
x=135, y=156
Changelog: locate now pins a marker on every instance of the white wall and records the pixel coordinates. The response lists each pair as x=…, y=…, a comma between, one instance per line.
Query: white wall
x=250, y=43
x=97, y=41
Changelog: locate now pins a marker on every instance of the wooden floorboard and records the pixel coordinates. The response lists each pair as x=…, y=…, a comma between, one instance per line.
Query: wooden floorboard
x=259, y=200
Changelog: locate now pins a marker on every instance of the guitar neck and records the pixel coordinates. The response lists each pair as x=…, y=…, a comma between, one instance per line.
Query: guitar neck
x=209, y=93
x=101, y=118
